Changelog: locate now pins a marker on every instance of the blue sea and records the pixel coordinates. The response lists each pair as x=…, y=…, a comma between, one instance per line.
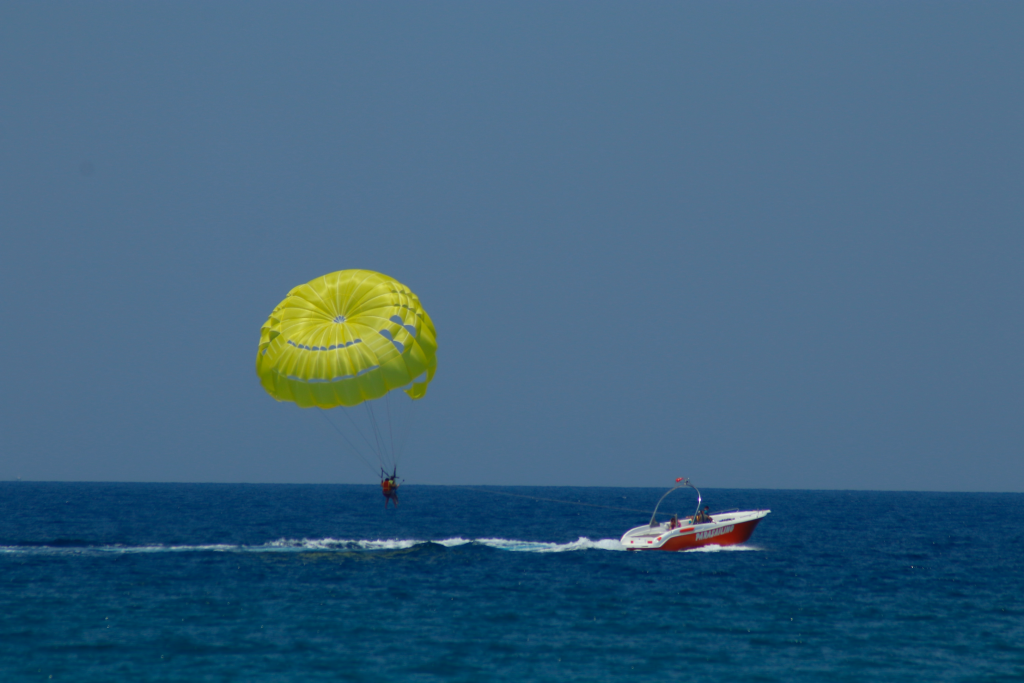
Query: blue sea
x=189, y=582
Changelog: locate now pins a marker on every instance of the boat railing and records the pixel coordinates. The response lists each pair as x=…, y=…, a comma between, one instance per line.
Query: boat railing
x=689, y=520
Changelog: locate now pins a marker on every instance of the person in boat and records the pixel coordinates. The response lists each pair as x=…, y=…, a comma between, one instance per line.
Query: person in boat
x=706, y=515
x=674, y=522
x=389, y=487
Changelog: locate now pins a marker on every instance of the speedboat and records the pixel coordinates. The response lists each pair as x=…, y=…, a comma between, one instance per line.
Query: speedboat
x=719, y=528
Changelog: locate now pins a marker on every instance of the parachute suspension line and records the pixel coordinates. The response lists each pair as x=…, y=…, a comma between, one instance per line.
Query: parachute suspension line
x=391, y=431
x=406, y=427
x=346, y=413
x=355, y=451
x=381, y=452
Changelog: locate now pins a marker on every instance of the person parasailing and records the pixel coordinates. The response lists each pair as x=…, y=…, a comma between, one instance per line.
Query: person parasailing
x=389, y=487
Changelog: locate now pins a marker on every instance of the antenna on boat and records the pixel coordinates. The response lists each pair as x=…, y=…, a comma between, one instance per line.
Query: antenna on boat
x=680, y=483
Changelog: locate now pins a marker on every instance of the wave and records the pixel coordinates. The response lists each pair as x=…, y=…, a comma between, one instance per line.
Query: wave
x=285, y=545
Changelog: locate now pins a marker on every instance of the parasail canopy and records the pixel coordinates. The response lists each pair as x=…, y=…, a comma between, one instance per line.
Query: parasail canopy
x=345, y=338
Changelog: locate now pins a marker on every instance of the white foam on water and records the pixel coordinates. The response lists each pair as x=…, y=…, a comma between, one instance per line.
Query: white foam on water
x=217, y=548
x=293, y=545
x=453, y=542
x=498, y=543
x=722, y=548
x=582, y=543
x=286, y=545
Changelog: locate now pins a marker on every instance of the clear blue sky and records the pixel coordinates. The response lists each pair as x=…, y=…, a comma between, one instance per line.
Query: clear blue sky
x=772, y=245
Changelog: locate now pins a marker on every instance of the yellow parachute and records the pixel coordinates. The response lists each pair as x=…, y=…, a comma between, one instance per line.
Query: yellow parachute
x=345, y=338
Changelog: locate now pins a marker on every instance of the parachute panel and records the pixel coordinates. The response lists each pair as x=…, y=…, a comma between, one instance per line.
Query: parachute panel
x=345, y=338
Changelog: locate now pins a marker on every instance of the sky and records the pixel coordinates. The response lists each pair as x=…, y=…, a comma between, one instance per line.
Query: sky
x=760, y=245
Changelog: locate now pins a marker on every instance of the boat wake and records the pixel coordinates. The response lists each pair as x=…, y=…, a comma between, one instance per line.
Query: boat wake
x=287, y=545
x=305, y=545
x=498, y=543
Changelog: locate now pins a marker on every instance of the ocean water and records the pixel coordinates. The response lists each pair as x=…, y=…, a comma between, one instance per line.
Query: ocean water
x=185, y=582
